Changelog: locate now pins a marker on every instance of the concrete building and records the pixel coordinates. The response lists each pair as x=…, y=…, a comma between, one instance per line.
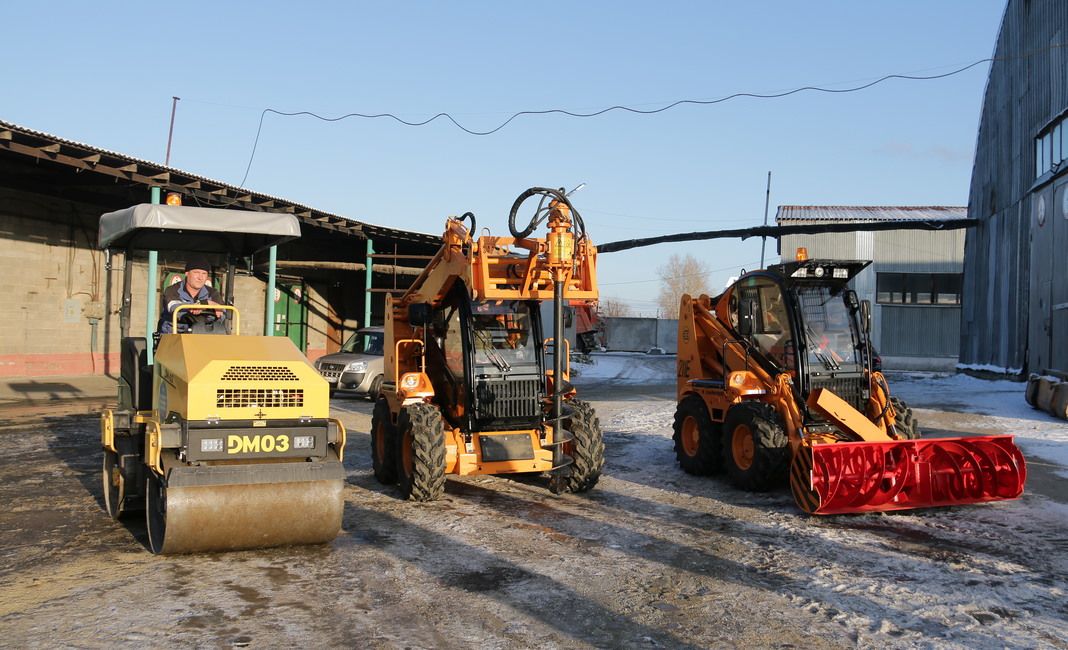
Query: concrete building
x=1015, y=307
x=913, y=283
x=60, y=291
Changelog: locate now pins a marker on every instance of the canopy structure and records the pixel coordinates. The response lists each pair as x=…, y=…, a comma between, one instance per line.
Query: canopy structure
x=150, y=226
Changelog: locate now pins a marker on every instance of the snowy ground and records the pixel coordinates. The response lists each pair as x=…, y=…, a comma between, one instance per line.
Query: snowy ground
x=987, y=575
x=650, y=558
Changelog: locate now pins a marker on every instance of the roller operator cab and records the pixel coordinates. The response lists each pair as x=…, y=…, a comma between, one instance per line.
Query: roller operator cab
x=221, y=439
x=473, y=383
x=776, y=382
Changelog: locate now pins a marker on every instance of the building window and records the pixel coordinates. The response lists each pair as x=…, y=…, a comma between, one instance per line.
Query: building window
x=1050, y=148
x=918, y=288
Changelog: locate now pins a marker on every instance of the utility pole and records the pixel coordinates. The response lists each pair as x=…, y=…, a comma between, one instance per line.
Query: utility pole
x=174, y=107
x=764, y=239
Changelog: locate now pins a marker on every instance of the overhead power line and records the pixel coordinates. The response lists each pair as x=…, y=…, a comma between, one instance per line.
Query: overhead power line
x=628, y=109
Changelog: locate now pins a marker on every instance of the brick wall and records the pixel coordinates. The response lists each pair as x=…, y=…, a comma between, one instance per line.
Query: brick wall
x=59, y=303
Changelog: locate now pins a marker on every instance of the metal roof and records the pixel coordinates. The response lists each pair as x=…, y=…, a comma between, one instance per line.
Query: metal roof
x=203, y=191
x=868, y=213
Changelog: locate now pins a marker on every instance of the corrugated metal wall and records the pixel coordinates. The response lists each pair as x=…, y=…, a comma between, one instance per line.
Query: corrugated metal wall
x=1012, y=285
x=898, y=330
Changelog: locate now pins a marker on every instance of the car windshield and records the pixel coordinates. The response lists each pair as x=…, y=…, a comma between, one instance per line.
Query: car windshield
x=364, y=343
x=501, y=334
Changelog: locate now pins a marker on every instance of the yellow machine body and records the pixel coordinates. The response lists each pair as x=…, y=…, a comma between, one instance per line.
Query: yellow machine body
x=224, y=440
x=202, y=376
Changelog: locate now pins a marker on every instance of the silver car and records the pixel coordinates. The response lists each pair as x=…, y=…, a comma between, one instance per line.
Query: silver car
x=357, y=367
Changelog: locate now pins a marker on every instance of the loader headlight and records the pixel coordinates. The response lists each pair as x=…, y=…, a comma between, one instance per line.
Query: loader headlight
x=356, y=366
x=211, y=444
x=304, y=442
x=841, y=273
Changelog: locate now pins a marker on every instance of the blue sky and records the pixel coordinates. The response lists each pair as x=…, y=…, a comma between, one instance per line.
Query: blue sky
x=104, y=74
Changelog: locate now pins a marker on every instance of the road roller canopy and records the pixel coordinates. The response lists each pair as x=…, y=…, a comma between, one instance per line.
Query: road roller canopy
x=150, y=226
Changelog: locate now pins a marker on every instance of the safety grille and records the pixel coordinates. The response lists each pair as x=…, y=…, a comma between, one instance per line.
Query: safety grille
x=853, y=390
x=259, y=373
x=501, y=401
x=259, y=397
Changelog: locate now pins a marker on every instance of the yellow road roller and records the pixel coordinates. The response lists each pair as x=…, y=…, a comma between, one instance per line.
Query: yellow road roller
x=223, y=440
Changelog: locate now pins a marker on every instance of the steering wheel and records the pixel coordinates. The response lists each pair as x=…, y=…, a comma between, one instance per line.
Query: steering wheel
x=202, y=323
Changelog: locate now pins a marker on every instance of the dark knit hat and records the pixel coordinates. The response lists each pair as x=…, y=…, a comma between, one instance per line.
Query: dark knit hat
x=197, y=262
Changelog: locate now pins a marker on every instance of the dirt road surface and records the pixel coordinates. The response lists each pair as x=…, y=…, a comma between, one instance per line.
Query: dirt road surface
x=651, y=558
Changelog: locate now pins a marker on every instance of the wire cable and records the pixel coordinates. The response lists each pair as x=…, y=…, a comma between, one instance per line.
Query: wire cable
x=629, y=109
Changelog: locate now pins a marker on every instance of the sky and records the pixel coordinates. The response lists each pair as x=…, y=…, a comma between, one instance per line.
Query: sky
x=104, y=74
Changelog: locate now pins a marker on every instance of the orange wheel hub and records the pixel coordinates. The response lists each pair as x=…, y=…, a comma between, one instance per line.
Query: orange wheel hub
x=742, y=447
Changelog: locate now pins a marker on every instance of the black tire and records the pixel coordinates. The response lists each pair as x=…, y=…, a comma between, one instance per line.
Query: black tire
x=905, y=421
x=376, y=388
x=383, y=444
x=155, y=511
x=586, y=448
x=114, y=485
x=755, y=447
x=421, y=452
x=698, y=444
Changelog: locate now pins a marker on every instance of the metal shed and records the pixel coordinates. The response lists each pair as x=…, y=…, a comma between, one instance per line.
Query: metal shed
x=913, y=282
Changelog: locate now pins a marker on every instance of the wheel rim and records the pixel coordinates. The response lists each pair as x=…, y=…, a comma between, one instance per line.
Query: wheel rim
x=691, y=436
x=742, y=447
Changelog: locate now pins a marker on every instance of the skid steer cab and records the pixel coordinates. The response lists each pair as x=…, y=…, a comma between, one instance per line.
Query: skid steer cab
x=473, y=385
x=775, y=384
x=222, y=440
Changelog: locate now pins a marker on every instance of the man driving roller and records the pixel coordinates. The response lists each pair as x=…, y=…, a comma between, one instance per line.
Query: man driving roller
x=193, y=289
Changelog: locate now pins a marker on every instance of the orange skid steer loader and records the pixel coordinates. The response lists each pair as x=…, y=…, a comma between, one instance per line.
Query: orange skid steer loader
x=466, y=387
x=775, y=380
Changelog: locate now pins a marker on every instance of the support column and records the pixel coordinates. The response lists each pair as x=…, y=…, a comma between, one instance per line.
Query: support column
x=272, y=276
x=367, y=277
x=151, y=314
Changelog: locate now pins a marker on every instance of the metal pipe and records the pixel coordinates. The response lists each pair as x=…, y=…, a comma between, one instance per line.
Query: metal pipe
x=368, y=276
x=764, y=240
x=150, y=302
x=272, y=276
x=170, y=134
x=558, y=370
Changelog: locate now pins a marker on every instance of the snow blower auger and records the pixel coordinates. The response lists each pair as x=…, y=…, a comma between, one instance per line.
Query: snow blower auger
x=222, y=440
x=775, y=380
x=466, y=388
